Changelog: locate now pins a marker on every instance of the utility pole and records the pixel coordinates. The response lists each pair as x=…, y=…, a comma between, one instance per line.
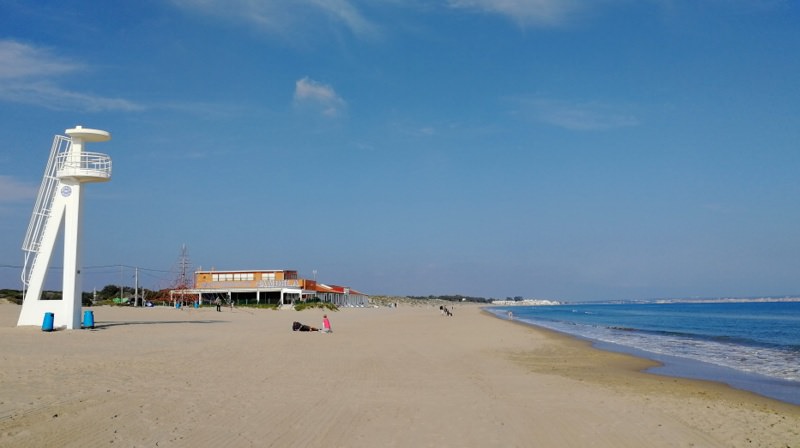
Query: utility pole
x=184, y=265
x=136, y=288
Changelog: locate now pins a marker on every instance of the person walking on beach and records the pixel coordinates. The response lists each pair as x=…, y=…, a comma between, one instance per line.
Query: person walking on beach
x=218, y=302
x=326, y=324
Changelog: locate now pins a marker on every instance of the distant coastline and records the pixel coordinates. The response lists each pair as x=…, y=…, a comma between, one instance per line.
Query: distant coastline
x=546, y=302
x=702, y=300
x=526, y=302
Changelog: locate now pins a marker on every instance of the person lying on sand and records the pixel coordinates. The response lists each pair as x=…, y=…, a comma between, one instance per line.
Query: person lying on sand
x=297, y=326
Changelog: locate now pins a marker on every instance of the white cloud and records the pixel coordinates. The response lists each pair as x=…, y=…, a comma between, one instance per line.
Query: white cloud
x=28, y=75
x=752, y=6
x=317, y=96
x=282, y=17
x=345, y=12
x=579, y=116
x=48, y=95
x=12, y=190
x=20, y=61
x=526, y=12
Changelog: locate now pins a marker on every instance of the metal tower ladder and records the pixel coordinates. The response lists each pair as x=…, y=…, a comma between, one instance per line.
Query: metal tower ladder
x=43, y=206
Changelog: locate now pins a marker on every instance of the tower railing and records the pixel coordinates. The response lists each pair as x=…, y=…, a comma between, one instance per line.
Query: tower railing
x=84, y=165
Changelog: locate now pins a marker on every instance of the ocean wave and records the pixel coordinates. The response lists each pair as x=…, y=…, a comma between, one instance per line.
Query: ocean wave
x=771, y=361
x=723, y=339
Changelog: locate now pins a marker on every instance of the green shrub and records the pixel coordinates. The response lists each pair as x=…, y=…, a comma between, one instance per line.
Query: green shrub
x=315, y=305
x=11, y=295
x=263, y=306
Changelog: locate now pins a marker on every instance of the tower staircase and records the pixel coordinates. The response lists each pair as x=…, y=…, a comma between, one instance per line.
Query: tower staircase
x=43, y=207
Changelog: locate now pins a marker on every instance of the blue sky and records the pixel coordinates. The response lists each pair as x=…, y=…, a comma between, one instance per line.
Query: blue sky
x=564, y=149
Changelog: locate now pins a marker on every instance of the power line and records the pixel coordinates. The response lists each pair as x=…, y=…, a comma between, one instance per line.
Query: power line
x=158, y=277
x=15, y=266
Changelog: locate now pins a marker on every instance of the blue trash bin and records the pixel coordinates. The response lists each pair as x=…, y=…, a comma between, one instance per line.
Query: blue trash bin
x=47, y=325
x=88, y=319
x=196, y=304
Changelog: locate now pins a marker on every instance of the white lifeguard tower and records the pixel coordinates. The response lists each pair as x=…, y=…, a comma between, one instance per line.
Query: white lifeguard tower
x=59, y=200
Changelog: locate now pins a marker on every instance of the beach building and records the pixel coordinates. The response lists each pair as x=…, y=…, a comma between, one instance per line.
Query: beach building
x=275, y=287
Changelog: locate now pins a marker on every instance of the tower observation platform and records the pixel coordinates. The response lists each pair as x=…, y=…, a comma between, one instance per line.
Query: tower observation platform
x=80, y=165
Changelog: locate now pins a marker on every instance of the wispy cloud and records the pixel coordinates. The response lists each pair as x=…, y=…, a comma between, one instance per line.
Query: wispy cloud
x=752, y=6
x=309, y=94
x=30, y=74
x=345, y=12
x=526, y=12
x=282, y=17
x=12, y=190
x=20, y=61
x=296, y=18
x=577, y=116
x=48, y=95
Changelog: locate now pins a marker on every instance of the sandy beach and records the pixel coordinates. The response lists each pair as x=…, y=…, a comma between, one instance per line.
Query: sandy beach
x=385, y=377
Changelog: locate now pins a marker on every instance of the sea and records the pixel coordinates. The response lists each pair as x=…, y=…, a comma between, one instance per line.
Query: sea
x=753, y=346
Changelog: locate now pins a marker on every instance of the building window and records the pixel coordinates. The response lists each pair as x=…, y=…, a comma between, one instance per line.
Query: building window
x=233, y=277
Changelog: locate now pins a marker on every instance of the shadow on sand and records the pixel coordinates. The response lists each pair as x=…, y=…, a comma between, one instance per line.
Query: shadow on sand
x=104, y=325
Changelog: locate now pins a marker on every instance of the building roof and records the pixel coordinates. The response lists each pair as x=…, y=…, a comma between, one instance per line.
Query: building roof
x=236, y=271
